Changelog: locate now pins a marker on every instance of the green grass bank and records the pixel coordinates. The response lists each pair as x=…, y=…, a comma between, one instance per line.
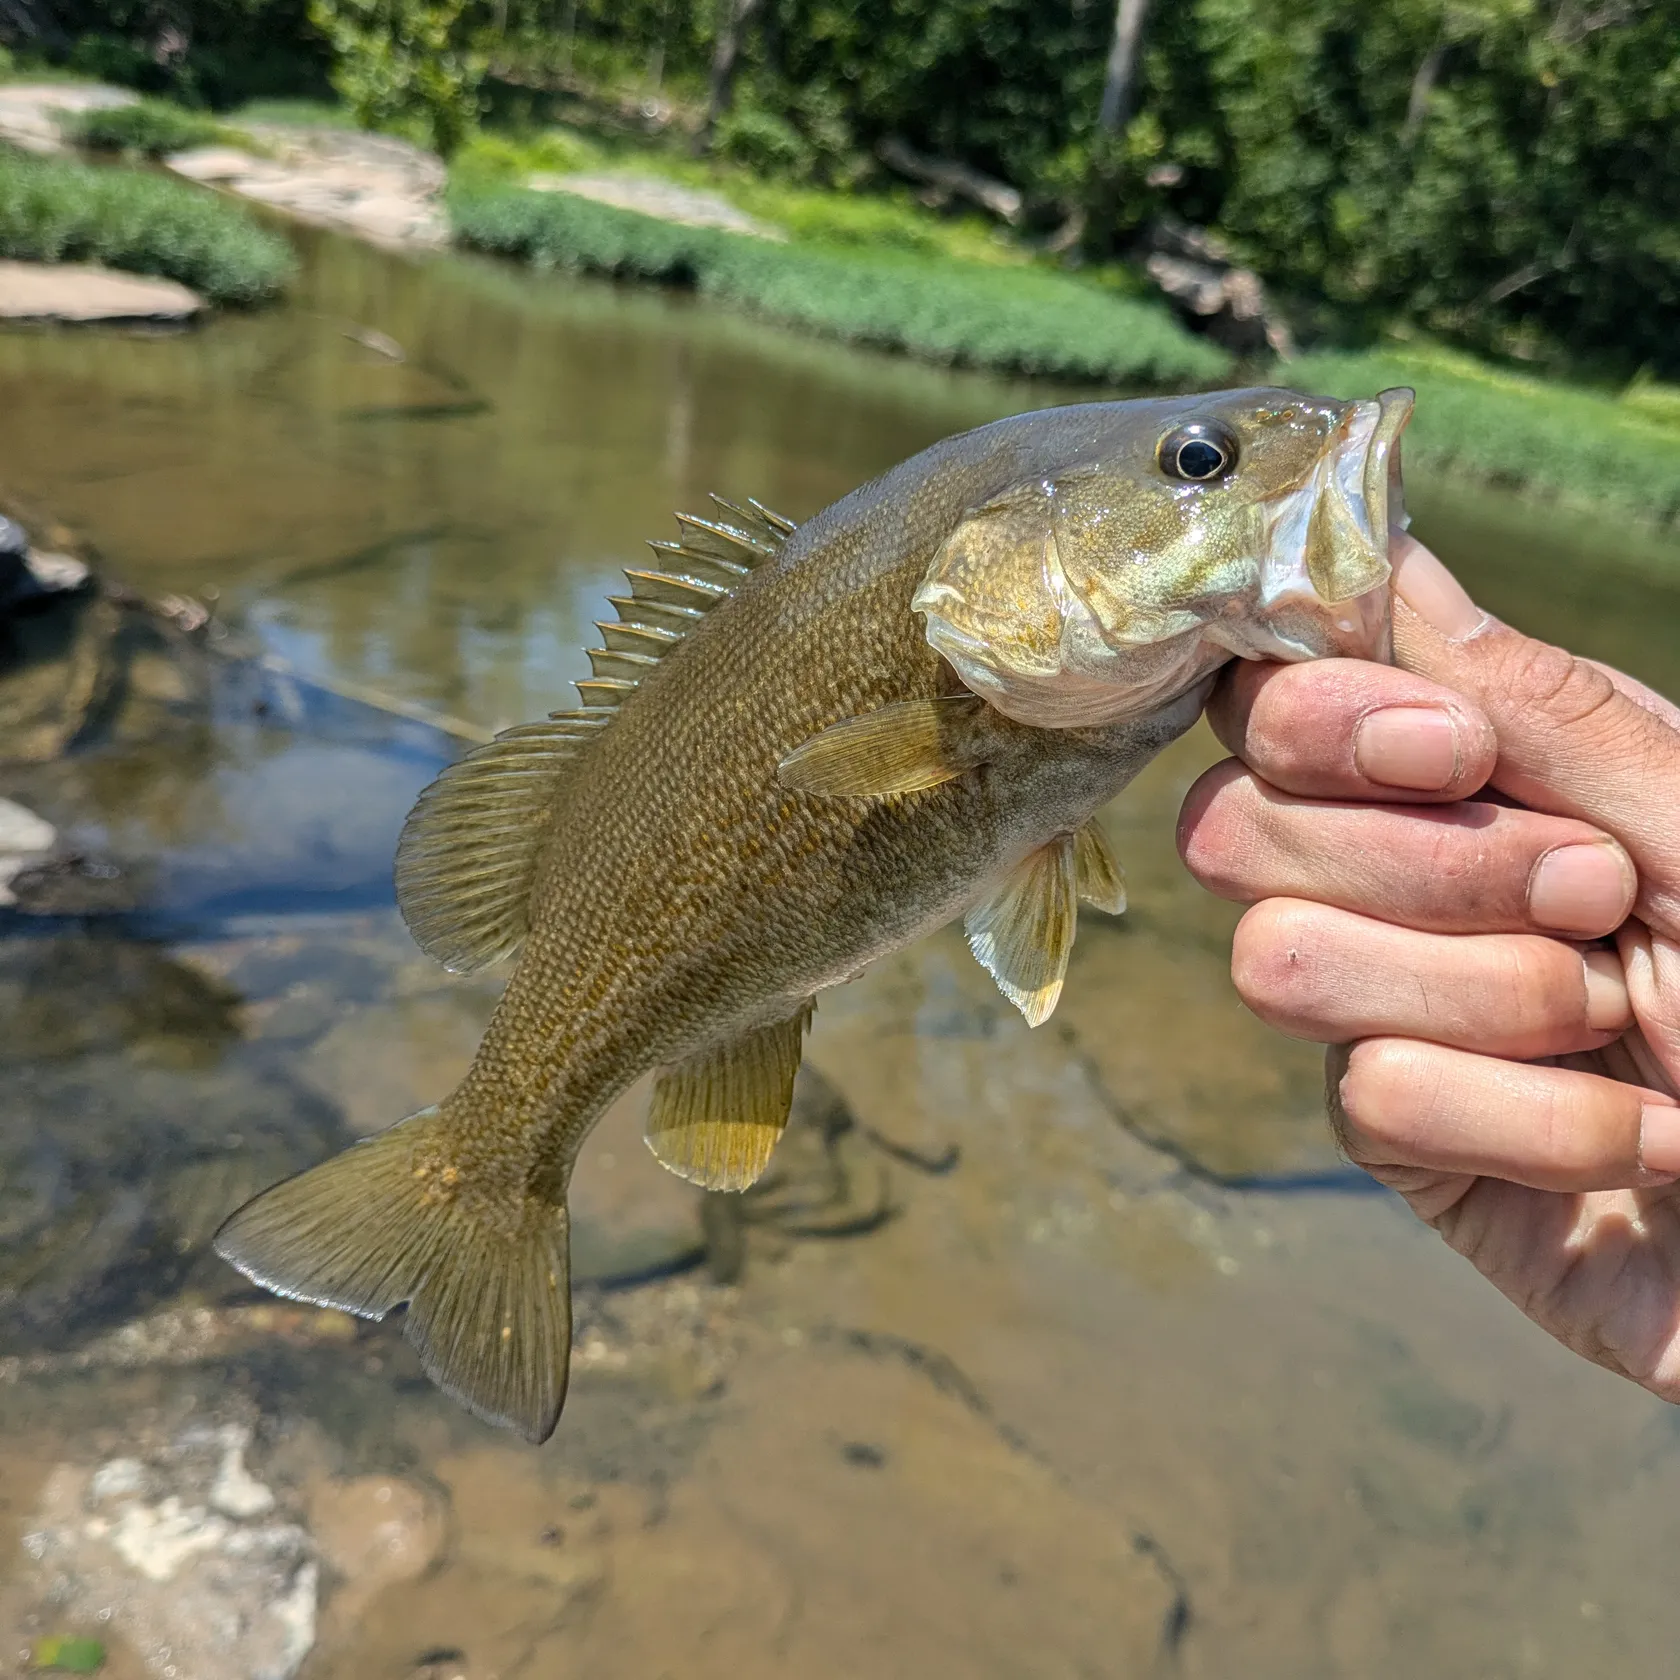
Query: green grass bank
x=1010, y=319
x=53, y=210
x=152, y=128
x=1479, y=422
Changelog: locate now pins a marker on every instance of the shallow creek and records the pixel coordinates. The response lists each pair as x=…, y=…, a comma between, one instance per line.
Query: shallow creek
x=1067, y=1353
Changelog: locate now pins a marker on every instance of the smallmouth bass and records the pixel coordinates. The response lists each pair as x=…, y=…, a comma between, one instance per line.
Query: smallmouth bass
x=801, y=749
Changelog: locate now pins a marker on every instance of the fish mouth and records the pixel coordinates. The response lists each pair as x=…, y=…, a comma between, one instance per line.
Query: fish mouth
x=1360, y=499
x=1385, y=494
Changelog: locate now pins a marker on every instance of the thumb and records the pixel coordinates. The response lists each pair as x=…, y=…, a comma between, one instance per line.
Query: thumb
x=1575, y=739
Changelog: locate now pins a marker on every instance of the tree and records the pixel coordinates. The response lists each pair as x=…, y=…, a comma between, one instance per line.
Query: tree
x=401, y=63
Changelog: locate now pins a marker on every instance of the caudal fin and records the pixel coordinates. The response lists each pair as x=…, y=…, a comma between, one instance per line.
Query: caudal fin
x=487, y=1288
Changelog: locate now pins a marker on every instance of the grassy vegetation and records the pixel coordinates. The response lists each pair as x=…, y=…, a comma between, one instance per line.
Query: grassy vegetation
x=56, y=211
x=888, y=220
x=297, y=113
x=1478, y=421
x=153, y=128
x=1012, y=319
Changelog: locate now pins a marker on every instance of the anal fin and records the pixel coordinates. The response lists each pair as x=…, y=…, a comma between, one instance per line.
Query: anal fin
x=716, y=1117
x=1023, y=933
x=902, y=748
x=1096, y=872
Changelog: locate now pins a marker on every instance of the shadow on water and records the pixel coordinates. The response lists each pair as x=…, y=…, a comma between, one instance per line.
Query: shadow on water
x=1075, y=1351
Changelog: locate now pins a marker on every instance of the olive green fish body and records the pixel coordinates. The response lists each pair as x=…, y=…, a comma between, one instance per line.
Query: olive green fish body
x=802, y=749
x=685, y=893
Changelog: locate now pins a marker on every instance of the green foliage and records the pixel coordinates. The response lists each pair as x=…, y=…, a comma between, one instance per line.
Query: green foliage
x=761, y=140
x=404, y=65
x=153, y=128
x=1497, y=170
x=55, y=211
x=1526, y=434
x=1502, y=172
x=1014, y=320
x=501, y=159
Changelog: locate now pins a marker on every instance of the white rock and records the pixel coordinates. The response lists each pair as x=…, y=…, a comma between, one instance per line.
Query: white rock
x=179, y=1552
x=235, y=1491
x=21, y=831
x=29, y=111
x=85, y=292
x=157, y=1539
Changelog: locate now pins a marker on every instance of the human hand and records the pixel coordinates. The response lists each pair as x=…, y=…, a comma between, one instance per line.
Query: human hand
x=1512, y=1083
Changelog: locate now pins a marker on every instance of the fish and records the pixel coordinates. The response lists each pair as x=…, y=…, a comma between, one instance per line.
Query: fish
x=800, y=749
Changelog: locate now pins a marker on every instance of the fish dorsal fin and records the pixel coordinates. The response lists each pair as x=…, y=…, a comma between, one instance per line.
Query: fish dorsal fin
x=468, y=851
x=704, y=566
x=1096, y=872
x=1022, y=934
x=902, y=748
x=716, y=1117
x=468, y=854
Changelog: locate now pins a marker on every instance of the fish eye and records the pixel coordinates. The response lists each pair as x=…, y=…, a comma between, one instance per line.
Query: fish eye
x=1197, y=453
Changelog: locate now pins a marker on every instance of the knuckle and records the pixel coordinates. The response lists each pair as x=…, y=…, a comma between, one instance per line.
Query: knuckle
x=1538, y=677
x=1564, y=1134
x=1530, y=981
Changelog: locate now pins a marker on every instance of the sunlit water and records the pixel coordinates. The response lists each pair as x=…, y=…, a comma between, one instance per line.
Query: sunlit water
x=1066, y=1353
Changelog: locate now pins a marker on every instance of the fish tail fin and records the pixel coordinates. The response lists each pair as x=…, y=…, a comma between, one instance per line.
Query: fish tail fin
x=385, y=1224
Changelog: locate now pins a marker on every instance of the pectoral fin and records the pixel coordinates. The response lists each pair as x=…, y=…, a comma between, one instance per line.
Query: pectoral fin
x=716, y=1117
x=1097, y=876
x=902, y=748
x=1022, y=934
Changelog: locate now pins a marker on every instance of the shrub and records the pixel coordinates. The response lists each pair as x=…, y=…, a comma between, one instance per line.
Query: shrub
x=763, y=141
x=1010, y=319
x=404, y=65
x=54, y=211
x=153, y=127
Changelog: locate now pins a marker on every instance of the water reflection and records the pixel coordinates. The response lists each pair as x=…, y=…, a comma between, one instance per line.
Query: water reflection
x=1031, y=1357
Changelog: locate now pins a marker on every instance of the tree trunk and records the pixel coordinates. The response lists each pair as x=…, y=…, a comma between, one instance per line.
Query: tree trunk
x=1120, y=81
x=733, y=17
x=1423, y=84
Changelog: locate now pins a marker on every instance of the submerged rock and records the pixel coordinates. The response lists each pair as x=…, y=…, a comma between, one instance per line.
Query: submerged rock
x=116, y=1168
x=182, y=1554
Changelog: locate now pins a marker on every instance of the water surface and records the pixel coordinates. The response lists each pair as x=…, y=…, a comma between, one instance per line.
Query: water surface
x=1073, y=1352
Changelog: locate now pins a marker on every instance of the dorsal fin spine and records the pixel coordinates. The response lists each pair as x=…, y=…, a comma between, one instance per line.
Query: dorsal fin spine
x=469, y=850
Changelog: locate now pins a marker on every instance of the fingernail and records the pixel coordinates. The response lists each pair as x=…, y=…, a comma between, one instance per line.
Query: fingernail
x=1659, y=1140
x=1408, y=747
x=1584, y=889
x=1608, y=1008
x=1433, y=593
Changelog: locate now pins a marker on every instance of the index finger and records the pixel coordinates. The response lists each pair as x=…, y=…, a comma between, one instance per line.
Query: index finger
x=1573, y=740
x=1345, y=729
